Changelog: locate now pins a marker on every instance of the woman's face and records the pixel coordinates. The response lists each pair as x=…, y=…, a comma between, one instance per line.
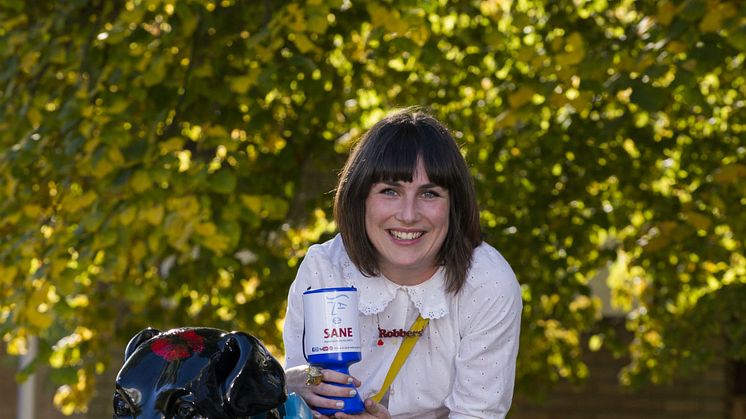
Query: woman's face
x=407, y=223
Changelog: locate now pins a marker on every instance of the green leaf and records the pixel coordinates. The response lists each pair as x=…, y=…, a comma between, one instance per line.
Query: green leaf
x=156, y=71
x=737, y=37
x=223, y=181
x=651, y=99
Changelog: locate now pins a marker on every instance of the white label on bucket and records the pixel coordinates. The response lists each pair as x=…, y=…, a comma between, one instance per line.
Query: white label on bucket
x=331, y=322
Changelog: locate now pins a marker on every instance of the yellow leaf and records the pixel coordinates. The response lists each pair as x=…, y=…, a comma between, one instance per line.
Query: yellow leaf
x=662, y=238
x=77, y=301
x=128, y=215
x=506, y=119
x=216, y=131
x=204, y=70
x=32, y=210
x=677, y=47
x=140, y=181
x=10, y=22
x=178, y=233
x=205, y=229
x=9, y=185
x=155, y=243
x=138, y=251
x=574, y=50
x=595, y=342
x=296, y=20
x=390, y=20
x=118, y=106
x=666, y=12
x=520, y=97
x=303, y=43
x=8, y=274
x=170, y=145
x=187, y=206
x=275, y=208
x=420, y=35
x=115, y=156
x=217, y=243
x=699, y=221
x=317, y=23
x=74, y=203
x=711, y=22
x=156, y=71
x=102, y=168
x=29, y=60
x=57, y=265
x=34, y=116
x=729, y=173
x=252, y=202
x=31, y=312
x=153, y=215
x=241, y=84
x=583, y=101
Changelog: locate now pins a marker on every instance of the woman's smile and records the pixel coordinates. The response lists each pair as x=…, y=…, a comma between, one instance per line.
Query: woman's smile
x=407, y=223
x=405, y=235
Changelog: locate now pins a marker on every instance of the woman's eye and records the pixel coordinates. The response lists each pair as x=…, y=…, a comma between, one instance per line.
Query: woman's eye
x=430, y=194
x=388, y=192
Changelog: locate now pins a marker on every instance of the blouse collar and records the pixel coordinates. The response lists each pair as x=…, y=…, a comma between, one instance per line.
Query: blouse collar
x=375, y=293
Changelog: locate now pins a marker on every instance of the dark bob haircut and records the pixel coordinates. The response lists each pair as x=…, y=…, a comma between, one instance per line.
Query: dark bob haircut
x=389, y=151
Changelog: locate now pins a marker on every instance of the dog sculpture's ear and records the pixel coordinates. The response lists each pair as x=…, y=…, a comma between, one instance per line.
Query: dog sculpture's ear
x=138, y=339
x=256, y=381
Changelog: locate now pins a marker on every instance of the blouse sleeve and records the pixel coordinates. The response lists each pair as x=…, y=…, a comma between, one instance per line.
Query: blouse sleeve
x=292, y=334
x=490, y=319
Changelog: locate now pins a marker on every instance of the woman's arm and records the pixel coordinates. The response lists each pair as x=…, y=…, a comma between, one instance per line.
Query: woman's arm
x=490, y=318
x=310, y=272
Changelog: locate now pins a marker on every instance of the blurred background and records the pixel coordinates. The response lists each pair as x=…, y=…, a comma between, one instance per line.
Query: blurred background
x=167, y=163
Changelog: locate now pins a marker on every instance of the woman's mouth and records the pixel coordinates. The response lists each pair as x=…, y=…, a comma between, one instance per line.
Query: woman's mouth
x=405, y=235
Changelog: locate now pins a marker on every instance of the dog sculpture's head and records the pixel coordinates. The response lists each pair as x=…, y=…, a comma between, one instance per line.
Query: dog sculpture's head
x=198, y=373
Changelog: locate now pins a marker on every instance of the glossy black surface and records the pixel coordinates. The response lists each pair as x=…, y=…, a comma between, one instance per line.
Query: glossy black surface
x=197, y=373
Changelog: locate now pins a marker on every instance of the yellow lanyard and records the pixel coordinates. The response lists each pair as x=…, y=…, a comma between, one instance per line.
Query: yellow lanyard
x=401, y=356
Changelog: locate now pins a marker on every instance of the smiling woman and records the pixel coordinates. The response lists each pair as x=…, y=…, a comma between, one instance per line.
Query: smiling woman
x=410, y=242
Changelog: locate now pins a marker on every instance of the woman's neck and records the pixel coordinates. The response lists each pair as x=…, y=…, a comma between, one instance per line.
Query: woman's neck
x=408, y=277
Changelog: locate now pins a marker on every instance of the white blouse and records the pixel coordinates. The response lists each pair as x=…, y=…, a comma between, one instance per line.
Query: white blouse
x=463, y=366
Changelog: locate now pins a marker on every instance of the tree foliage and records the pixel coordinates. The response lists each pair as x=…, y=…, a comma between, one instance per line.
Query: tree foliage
x=168, y=162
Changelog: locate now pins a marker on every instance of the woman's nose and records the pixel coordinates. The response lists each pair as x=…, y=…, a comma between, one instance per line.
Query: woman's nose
x=408, y=210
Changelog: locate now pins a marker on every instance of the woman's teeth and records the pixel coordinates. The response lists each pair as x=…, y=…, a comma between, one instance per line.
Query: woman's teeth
x=402, y=235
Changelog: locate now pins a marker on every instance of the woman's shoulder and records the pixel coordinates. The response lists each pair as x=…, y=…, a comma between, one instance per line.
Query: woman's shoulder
x=331, y=250
x=490, y=273
x=322, y=265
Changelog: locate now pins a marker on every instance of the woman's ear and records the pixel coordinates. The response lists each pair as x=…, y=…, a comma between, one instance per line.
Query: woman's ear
x=256, y=381
x=138, y=339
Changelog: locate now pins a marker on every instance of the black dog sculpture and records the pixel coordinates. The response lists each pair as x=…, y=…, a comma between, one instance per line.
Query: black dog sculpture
x=198, y=373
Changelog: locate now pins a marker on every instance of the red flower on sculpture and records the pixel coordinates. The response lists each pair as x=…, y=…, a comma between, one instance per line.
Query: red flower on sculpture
x=178, y=346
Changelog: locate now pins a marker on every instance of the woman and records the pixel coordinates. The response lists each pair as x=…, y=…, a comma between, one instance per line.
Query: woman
x=410, y=242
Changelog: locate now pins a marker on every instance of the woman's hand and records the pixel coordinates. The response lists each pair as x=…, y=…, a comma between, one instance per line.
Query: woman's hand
x=317, y=395
x=372, y=410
